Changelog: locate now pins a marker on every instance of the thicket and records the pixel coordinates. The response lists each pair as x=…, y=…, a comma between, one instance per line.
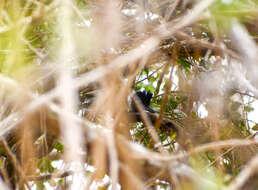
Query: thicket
x=128, y=94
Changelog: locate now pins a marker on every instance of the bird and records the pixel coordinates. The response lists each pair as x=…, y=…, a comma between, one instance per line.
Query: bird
x=145, y=100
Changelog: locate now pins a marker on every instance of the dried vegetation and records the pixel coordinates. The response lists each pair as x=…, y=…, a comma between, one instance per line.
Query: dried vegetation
x=70, y=118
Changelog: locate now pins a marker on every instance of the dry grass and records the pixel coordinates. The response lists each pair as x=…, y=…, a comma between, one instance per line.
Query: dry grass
x=57, y=55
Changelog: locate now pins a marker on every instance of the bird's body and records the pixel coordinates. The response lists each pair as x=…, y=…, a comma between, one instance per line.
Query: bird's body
x=145, y=99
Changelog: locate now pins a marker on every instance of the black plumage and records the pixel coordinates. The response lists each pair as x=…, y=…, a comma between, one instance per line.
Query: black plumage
x=145, y=99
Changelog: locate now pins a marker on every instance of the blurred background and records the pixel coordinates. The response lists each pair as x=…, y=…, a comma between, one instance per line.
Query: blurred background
x=129, y=94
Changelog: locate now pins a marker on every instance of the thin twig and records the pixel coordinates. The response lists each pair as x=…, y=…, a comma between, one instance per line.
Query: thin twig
x=16, y=164
x=202, y=148
x=243, y=176
x=49, y=176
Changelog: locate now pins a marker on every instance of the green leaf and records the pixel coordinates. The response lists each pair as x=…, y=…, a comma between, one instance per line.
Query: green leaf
x=173, y=104
x=138, y=87
x=2, y=151
x=146, y=141
x=45, y=165
x=235, y=105
x=2, y=161
x=163, y=137
x=59, y=147
x=88, y=173
x=248, y=108
x=210, y=156
x=173, y=135
x=146, y=71
x=150, y=88
x=152, y=79
x=255, y=128
x=184, y=63
x=61, y=181
x=194, y=115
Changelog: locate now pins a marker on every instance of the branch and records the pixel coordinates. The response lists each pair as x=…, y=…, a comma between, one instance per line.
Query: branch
x=49, y=176
x=153, y=117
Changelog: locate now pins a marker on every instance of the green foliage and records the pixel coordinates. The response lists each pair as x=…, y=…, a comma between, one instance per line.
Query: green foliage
x=22, y=41
x=140, y=134
x=235, y=8
x=40, y=185
x=184, y=64
x=45, y=165
x=59, y=147
x=255, y=128
x=248, y=108
x=172, y=104
x=147, y=80
x=224, y=11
